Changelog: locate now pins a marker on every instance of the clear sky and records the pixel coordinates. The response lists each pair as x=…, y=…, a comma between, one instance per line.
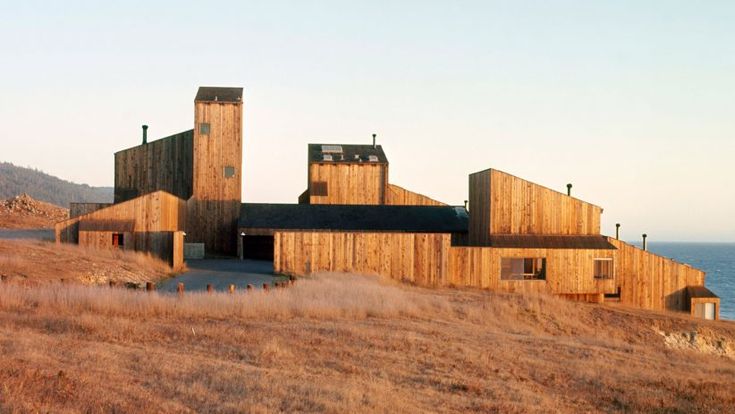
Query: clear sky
x=631, y=101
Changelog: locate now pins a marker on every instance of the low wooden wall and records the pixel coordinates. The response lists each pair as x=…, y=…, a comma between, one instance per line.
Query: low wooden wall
x=650, y=281
x=567, y=270
x=419, y=258
x=429, y=260
x=645, y=280
x=165, y=245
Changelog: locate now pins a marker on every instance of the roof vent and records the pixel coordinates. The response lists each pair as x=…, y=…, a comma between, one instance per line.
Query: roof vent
x=332, y=149
x=373, y=158
x=357, y=157
x=327, y=157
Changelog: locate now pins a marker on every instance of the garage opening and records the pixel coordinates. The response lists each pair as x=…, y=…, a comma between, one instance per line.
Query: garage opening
x=257, y=247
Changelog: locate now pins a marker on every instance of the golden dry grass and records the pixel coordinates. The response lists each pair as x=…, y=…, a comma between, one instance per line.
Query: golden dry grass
x=341, y=343
x=40, y=262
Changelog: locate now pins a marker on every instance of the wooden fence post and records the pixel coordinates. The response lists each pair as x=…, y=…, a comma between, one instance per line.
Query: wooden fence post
x=266, y=287
x=249, y=287
x=210, y=289
x=232, y=288
x=150, y=286
x=180, y=289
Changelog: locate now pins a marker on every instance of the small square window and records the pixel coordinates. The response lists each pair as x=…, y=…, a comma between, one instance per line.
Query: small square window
x=229, y=172
x=603, y=268
x=319, y=188
x=204, y=128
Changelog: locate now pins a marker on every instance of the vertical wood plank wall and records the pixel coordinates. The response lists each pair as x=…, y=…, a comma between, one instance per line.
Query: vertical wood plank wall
x=567, y=270
x=396, y=195
x=349, y=183
x=646, y=280
x=80, y=209
x=414, y=257
x=650, y=281
x=504, y=204
x=164, y=164
x=149, y=223
x=214, y=207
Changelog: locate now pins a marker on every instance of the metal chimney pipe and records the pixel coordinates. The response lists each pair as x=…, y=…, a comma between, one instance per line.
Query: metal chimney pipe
x=374, y=135
x=145, y=134
x=617, y=231
x=644, y=241
x=569, y=189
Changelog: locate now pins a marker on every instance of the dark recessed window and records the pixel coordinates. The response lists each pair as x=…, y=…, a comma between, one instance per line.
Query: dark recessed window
x=603, y=268
x=319, y=188
x=204, y=128
x=229, y=172
x=527, y=268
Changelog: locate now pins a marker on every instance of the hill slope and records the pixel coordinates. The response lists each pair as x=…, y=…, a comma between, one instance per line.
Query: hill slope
x=342, y=343
x=16, y=180
x=23, y=212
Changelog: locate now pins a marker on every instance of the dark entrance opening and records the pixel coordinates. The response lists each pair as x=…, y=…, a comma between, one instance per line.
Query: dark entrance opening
x=257, y=247
x=118, y=240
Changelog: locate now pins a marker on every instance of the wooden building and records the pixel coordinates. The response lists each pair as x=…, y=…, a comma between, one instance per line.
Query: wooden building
x=188, y=184
x=153, y=223
x=214, y=206
x=354, y=174
x=518, y=236
x=521, y=237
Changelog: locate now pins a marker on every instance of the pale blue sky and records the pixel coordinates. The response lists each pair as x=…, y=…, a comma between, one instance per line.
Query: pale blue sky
x=632, y=101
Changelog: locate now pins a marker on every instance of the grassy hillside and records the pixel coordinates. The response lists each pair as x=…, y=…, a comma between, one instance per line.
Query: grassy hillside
x=35, y=263
x=16, y=180
x=341, y=343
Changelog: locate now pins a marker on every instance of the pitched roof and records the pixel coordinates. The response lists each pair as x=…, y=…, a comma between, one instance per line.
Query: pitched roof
x=346, y=153
x=217, y=94
x=700, y=292
x=419, y=219
x=549, y=242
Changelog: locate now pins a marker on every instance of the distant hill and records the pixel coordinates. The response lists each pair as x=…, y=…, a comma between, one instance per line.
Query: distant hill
x=16, y=180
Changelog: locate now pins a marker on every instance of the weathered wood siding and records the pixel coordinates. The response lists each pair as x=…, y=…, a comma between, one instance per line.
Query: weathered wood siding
x=569, y=271
x=80, y=209
x=349, y=183
x=157, y=211
x=654, y=282
x=645, y=280
x=414, y=257
x=501, y=203
x=165, y=245
x=164, y=164
x=396, y=195
x=429, y=259
x=214, y=208
x=149, y=223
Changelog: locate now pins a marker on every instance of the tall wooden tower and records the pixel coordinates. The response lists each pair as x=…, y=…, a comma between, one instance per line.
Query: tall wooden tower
x=214, y=207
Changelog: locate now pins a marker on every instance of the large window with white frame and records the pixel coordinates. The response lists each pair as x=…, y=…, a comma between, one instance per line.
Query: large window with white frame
x=523, y=268
x=603, y=268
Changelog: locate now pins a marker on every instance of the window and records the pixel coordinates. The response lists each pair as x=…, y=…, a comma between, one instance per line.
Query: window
x=118, y=240
x=204, y=128
x=229, y=171
x=319, y=188
x=603, y=268
x=533, y=268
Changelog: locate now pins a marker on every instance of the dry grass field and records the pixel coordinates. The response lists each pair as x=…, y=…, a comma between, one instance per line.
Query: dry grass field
x=342, y=343
x=35, y=262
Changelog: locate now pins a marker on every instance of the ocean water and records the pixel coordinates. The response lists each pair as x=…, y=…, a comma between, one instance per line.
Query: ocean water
x=717, y=259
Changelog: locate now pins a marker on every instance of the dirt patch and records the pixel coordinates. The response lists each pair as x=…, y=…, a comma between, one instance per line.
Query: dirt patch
x=700, y=340
x=25, y=212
